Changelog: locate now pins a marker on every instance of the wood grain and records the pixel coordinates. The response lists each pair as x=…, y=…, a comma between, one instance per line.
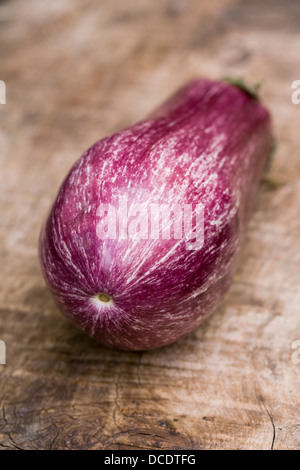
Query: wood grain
x=76, y=71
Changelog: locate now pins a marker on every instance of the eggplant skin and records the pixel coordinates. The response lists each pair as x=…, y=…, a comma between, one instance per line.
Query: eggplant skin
x=208, y=144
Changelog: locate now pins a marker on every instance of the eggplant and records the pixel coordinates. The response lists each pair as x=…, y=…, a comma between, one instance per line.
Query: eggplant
x=143, y=238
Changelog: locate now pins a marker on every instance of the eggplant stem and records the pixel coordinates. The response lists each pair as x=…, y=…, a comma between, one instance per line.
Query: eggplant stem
x=239, y=82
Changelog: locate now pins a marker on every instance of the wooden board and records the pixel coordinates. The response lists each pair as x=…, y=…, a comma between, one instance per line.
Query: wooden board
x=76, y=71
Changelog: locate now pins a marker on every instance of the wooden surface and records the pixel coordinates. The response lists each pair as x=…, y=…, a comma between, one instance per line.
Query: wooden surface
x=76, y=71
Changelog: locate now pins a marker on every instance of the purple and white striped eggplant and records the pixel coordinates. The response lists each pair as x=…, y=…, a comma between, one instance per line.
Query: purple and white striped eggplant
x=194, y=167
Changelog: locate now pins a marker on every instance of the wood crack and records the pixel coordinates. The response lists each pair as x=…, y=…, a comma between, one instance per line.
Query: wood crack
x=117, y=406
x=273, y=425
